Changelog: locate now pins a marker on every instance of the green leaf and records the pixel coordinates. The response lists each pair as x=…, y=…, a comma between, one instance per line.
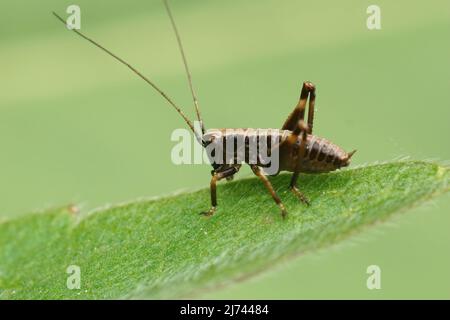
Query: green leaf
x=163, y=248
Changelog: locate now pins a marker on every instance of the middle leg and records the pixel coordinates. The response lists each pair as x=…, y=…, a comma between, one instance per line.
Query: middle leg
x=257, y=171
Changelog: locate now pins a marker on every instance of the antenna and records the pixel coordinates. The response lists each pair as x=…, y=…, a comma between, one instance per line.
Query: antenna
x=165, y=96
x=186, y=67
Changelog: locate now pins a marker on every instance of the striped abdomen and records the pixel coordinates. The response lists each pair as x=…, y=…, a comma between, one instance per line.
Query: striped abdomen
x=321, y=155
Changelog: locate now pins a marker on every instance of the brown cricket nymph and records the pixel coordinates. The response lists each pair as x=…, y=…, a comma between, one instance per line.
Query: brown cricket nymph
x=298, y=150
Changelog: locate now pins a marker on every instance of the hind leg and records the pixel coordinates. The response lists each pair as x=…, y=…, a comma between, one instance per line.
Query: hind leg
x=299, y=152
x=294, y=189
x=257, y=171
x=308, y=89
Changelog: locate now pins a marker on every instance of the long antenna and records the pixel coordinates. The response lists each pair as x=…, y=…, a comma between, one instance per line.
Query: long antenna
x=186, y=67
x=165, y=96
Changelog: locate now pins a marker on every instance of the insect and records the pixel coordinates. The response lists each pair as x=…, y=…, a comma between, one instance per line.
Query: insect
x=298, y=149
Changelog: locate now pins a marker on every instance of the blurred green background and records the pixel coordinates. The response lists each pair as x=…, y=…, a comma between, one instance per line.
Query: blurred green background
x=77, y=127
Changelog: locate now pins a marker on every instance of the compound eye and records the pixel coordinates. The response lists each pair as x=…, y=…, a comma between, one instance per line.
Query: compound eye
x=207, y=139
